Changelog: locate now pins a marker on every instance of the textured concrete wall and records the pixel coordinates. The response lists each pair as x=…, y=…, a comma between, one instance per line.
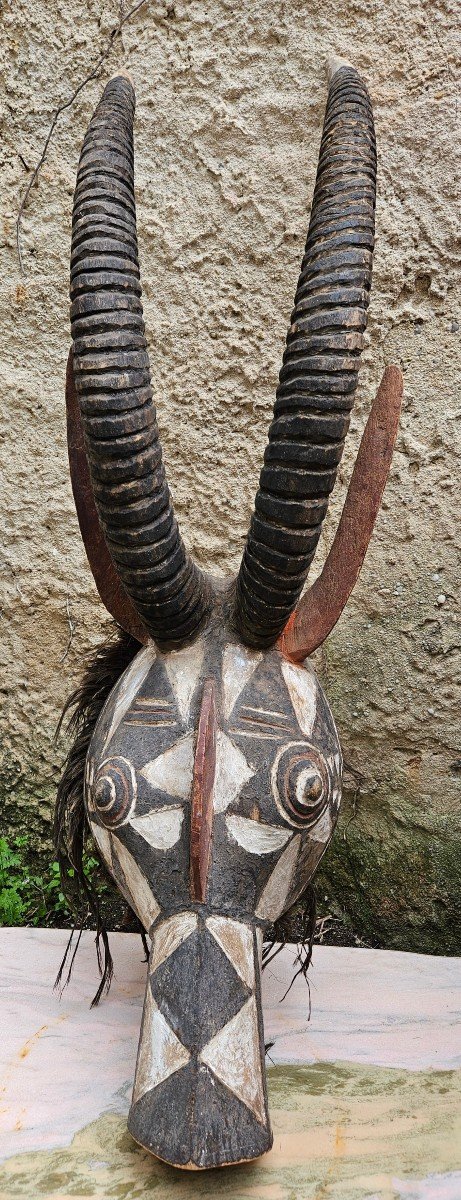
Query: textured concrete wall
x=230, y=105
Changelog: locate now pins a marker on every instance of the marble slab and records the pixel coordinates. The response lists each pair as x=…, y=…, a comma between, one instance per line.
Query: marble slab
x=365, y=1097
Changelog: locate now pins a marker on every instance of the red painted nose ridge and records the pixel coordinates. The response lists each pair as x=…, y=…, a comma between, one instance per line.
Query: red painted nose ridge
x=201, y=816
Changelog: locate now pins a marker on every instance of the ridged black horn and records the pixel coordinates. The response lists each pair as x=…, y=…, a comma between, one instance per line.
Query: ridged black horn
x=112, y=379
x=320, y=368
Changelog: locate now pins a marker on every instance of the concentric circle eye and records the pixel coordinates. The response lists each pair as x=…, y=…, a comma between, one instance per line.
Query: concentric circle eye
x=301, y=783
x=114, y=791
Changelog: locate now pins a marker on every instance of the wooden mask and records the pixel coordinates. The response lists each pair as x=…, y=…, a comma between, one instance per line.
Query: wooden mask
x=213, y=775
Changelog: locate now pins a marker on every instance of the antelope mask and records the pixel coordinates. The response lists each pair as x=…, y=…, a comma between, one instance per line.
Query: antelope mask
x=213, y=770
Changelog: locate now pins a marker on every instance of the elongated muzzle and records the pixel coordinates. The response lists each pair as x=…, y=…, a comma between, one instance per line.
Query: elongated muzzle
x=199, y=1097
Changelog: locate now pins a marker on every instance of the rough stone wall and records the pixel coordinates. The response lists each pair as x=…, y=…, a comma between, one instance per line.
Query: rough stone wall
x=230, y=105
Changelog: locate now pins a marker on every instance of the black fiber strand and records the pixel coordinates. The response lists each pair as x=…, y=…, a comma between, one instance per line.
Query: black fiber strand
x=70, y=827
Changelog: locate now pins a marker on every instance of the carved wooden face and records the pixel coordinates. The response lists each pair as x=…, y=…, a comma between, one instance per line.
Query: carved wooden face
x=274, y=790
x=212, y=815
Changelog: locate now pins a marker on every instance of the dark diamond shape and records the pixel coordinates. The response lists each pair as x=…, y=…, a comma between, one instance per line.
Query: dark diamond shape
x=198, y=990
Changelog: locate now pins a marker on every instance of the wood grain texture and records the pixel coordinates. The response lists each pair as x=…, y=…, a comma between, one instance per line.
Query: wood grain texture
x=201, y=818
x=319, y=374
x=321, y=607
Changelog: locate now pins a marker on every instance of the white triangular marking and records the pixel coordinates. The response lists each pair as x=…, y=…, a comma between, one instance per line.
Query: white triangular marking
x=302, y=687
x=237, y=668
x=170, y=934
x=132, y=680
x=183, y=668
x=273, y=897
x=236, y=940
x=255, y=836
x=172, y=771
x=160, y=827
x=232, y=771
x=134, y=885
x=160, y=1051
x=234, y=1057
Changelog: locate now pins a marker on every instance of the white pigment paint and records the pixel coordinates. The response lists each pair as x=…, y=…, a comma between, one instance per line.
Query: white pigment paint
x=136, y=888
x=184, y=668
x=170, y=934
x=255, y=836
x=161, y=827
x=302, y=688
x=171, y=772
x=321, y=831
x=132, y=680
x=272, y=900
x=234, y=1057
x=232, y=772
x=306, y=779
x=238, y=666
x=236, y=940
x=160, y=1051
x=101, y=779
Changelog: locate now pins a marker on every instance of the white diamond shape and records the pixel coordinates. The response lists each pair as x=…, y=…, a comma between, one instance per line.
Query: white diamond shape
x=234, y=1057
x=232, y=771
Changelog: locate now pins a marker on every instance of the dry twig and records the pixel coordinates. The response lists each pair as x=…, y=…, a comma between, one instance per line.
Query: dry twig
x=115, y=33
x=323, y=926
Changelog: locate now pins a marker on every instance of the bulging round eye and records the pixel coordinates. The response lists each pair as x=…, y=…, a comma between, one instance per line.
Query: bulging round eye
x=301, y=783
x=114, y=791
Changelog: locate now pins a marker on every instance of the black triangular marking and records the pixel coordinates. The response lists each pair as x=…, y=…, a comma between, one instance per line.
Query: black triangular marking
x=192, y=1118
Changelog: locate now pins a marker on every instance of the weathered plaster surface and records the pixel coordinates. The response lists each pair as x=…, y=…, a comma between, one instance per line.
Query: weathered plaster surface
x=230, y=104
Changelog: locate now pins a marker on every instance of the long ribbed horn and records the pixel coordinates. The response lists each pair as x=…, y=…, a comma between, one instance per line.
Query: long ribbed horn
x=320, y=367
x=112, y=380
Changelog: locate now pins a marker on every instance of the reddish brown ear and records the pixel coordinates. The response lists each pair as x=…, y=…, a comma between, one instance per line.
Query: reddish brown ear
x=107, y=580
x=320, y=608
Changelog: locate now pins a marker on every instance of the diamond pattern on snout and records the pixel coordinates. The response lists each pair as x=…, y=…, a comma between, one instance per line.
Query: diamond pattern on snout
x=183, y=986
